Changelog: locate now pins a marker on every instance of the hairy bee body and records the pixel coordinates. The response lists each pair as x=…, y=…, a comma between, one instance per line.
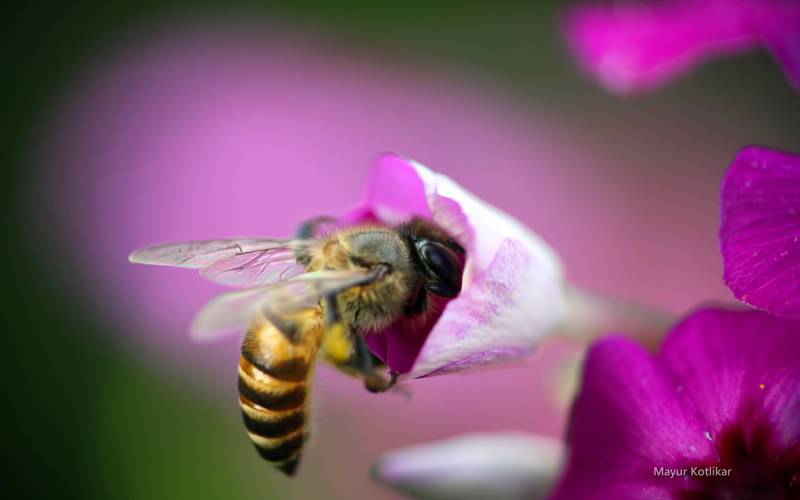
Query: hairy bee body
x=278, y=351
x=315, y=296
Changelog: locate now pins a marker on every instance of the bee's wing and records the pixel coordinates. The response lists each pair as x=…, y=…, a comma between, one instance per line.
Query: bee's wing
x=234, y=311
x=258, y=267
x=240, y=262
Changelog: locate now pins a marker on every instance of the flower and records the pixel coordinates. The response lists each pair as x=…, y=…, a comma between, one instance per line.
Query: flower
x=714, y=415
x=759, y=233
x=135, y=155
x=499, y=465
x=512, y=293
x=631, y=47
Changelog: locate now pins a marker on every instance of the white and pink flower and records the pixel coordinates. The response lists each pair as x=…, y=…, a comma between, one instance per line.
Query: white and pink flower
x=513, y=290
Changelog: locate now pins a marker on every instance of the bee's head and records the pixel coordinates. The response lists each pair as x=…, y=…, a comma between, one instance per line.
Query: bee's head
x=442, y=264
x=412, y=261
x=438, y=256
x=379, y=249
x=388, y=256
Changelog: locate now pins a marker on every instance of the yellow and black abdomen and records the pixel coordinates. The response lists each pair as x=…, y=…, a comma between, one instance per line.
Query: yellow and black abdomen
x=274, y=386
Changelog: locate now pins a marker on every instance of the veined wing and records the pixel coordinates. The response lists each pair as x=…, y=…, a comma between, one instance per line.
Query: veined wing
x=234, y=311
x=258, y=267
x=237, y=262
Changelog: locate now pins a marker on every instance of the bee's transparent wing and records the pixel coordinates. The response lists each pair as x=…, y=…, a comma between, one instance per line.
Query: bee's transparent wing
x=257, y=267
x=238, y=262
x=234, y=311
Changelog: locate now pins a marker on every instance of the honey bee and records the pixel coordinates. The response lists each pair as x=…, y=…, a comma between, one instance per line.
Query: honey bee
x=311, y=296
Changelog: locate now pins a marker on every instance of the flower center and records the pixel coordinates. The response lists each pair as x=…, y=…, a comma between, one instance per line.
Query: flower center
x=753, y=468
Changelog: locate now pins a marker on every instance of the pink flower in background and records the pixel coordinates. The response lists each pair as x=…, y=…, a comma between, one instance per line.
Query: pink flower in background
x=722, y=396
x=503, y=465
x=631, y=47
x=760, y=229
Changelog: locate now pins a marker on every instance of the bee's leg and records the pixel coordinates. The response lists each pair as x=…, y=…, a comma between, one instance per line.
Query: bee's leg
x=374, y=381
x=337, y=342
x=350, y=353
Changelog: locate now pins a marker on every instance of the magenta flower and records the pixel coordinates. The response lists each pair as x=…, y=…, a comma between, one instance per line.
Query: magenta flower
x=760, y=229
x=715, y=415
x=631, y=47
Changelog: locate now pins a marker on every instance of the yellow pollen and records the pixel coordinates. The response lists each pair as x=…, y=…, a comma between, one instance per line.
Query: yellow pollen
x=761, y=386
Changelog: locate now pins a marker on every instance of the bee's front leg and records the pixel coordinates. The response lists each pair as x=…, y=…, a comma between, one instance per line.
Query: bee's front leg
x=349, y=352
x=374, y=379
x=376, y=382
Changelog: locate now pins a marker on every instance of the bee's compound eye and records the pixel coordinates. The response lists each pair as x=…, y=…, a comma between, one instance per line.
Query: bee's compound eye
x=445, y=264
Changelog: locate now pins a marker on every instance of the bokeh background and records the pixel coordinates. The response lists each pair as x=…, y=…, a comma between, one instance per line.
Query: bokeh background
x=130, y=123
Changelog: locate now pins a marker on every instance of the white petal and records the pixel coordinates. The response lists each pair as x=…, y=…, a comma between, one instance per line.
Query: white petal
x=498, y=466
x=502, y=314
x=490, y=224
x=513, y=291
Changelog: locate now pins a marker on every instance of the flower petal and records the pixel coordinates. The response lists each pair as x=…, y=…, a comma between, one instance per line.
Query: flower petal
x=394, y=192
x=786, y=50
x=501, y=315
x=512, y=289
x=760, y=229
x=740, y=366
x=781, y=35
x=640, y=46
x=503, y=465
x=628, y=419
x=491, y=226
x=399, y=345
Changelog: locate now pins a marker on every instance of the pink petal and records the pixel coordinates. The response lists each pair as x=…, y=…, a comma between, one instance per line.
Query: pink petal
x=781, y=35
x=394, y=191
x=760, y=229
x=785, y=49
x=743, y=367
x=724, y=380
x=629, y=418
x=489, y=225
x=637, y=46
x=400, y=344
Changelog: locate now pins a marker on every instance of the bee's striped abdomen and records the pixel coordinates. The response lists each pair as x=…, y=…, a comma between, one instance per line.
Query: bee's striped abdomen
x=274, y=377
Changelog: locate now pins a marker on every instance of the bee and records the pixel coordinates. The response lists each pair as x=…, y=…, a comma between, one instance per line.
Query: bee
x=314, y=296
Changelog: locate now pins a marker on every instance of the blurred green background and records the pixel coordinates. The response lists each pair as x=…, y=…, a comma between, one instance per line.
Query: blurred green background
x=82, y=418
